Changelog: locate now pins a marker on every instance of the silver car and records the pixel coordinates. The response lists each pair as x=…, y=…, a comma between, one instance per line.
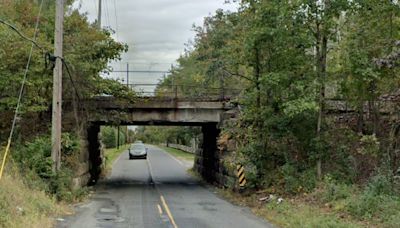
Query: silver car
x=137, y=151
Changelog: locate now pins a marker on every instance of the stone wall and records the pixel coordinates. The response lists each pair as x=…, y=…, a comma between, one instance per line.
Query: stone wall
x=87, y=164
x=184, y=148
x=206, y=159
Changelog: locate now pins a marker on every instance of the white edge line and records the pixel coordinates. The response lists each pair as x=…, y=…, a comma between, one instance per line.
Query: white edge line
x=180, y=162
x=117, y=160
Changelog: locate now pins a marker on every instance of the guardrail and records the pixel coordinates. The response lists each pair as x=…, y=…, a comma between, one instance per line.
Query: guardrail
x=184, y=91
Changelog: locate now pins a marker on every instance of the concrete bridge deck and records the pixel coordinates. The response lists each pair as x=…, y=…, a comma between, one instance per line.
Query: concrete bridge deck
x=153, y=110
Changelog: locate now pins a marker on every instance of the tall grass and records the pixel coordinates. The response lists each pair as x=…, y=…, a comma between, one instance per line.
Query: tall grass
x=23, y=206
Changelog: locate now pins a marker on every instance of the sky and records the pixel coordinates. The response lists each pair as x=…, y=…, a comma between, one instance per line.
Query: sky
x=155, y=30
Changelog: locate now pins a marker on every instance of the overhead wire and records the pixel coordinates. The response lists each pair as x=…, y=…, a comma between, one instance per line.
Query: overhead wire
x=71, y=79
x=48, y=55
x=95, y=5
x=116, y=19
x=107, y=14
x=33, y=41
x=13, y=27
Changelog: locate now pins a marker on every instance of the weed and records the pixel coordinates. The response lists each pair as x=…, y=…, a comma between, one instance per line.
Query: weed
x=333, y=191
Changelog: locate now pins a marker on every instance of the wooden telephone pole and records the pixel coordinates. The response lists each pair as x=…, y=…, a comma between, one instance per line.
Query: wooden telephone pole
x=99, y=15
x=57, y=88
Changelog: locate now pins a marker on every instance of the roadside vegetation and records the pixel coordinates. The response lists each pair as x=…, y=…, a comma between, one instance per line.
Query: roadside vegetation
x=26, y=206
x=31, y=194
x=163, y=135
x=112, y=155
x=316, y=123
x=109, y=139
x=167, y=134
x=328, y=205
x=316, y=119
x=182, y=155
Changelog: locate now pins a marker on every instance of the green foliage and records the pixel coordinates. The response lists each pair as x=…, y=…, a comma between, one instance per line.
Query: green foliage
x=25, y=206
x=70, y=144
x=380, y=185
x=369, y=145
x=60, y=186
x=176, y=135
x=288, y=214
x=34, y=159
x=109, y=136
x=36, y=156
x=179, y=153
x=376, y=201
x=371, y=206
x=334, y=191
x=87, y=52
x=286, y=58
x=295, y=181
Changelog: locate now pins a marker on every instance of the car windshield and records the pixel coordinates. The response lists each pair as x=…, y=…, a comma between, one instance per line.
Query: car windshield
x=137, y=147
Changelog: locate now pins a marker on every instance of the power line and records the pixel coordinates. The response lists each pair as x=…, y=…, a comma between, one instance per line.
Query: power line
x=116, y=19
x=33, y=41
x=107, y=13
x=21, y=34
x=70, y=78
x=95, y=5
x=141, y=71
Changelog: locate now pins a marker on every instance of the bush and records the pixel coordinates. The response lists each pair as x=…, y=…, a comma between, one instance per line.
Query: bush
x=368, y=206
x=109, y=136
x=60, y=186
x=376, y=201
x=35, y=162
x=70, y=144
x=380, y=185
x=296, y=181
x=335, y=191
x=36, y=156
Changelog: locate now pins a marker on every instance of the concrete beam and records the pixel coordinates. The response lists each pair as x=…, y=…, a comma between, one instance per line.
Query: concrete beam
x=161, y=112
x=154, y=103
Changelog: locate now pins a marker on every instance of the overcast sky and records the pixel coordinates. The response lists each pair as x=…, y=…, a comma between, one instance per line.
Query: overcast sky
x=155, y=30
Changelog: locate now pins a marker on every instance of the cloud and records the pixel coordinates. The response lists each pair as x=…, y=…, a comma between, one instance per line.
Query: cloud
x=155, y=30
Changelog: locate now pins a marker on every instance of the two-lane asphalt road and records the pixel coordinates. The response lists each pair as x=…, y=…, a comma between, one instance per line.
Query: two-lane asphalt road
x=157, y=192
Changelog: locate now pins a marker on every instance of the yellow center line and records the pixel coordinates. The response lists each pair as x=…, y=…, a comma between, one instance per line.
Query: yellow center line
x=159, y=209
x=171, y=218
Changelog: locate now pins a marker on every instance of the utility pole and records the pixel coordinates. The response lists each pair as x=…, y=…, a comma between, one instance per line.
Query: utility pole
x=99, y=15
x=127, y=74
x=57, y=88
x=127, y=84
x=118, y=137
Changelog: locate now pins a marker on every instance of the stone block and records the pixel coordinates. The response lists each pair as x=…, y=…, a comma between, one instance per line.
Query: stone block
x=81, y=181
x=231, y=145
x=82, y=169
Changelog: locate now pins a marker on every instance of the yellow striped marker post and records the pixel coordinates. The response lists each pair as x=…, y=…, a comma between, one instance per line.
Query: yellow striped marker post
x=241, y=176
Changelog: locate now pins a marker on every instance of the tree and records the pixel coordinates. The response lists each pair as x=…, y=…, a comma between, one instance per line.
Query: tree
x=321, y=17
x=87, y=53
x=368, y=34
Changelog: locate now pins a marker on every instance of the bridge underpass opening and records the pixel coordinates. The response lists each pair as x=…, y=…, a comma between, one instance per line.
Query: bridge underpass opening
x=204, y=137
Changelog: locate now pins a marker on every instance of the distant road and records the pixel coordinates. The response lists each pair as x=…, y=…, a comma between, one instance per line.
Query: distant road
x=157, y=192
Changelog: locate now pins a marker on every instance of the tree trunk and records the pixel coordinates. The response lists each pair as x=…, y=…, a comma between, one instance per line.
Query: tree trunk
x=257, y=72
x=322, y=50
x=360, y=121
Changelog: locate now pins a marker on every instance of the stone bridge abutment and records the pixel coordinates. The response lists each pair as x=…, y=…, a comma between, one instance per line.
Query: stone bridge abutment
x=109, y=111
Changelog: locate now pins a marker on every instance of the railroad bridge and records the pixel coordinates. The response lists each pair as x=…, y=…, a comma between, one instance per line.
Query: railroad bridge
x=206, y=112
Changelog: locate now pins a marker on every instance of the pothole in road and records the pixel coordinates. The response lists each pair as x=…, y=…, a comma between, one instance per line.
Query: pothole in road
x=108, y=210
x=110, y=218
